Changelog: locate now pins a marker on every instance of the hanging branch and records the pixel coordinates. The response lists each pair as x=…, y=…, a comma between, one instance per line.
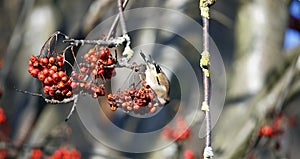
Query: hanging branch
x=114, y=25
x=205, y=64
x=122, y=19
x=128, y=52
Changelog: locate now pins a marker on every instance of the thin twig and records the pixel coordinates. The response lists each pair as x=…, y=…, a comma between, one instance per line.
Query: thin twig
x=31, y=93
x=205, y=64
x=72, y=109
x=114, y=25
x=122, y=19
x=48, y=41
x=51, y=101
x=206, y=84
x=109, y=43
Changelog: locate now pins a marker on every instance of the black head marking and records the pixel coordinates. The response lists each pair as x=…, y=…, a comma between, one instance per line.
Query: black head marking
x=157, y=67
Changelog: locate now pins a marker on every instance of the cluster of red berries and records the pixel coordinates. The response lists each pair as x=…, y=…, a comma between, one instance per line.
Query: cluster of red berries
x=49, y=71
x=63, y=153
x=180, y=131
x=139, y=101
x=96, y=63
x=80, y=84
x=277, y=126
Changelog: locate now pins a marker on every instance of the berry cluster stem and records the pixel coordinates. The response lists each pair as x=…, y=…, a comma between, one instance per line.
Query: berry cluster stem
x=205, y=64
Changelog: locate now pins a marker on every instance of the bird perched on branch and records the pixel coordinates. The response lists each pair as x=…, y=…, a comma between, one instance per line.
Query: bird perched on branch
x=157, y=80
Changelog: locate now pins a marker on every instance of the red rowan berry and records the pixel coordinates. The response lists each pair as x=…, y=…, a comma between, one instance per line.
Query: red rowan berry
x=86, y=56
x=60, y=58
x=36, y=154
x=52, y=60
x=55, y=77
x=265, y=131
x=34, y=72
x=46, y=71
x=35, y=64
x=33, y=58
x=94, y=59
x=51, y=72
x=69, y=94
x=46, y=89
x=44, y=61
x=95, y=95
x=41, y=76
x=80, y=77
x=94, y=72
x=30, y=63
x=113, y=108
x=30, y=69
x=74, y=85
x=136, y=107
x=110, y=61
x=129, y=108
x=54, y=68
x=60, y=64
x=153, y=110
x=83, y=69
x=60, y=85
x=188, y=154
x=65, y=91
x=50, y=79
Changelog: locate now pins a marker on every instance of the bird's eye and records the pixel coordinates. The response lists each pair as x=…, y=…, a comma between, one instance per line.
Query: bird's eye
x=157, y=67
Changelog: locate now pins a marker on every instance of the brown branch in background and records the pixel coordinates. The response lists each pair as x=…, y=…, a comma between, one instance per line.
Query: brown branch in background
x=205, y=64
x=206, y=83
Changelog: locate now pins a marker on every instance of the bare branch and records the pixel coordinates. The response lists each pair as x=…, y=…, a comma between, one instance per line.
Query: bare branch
x=72, y=109
x=122, y=19
x=51, y=101
x=108, y=43
x=114, y=25
x=205, y=64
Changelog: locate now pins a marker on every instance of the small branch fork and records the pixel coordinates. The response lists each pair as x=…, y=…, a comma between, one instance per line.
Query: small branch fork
x=115, y=42
x=114, y=25
x=73, y=99
x=205, y=64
